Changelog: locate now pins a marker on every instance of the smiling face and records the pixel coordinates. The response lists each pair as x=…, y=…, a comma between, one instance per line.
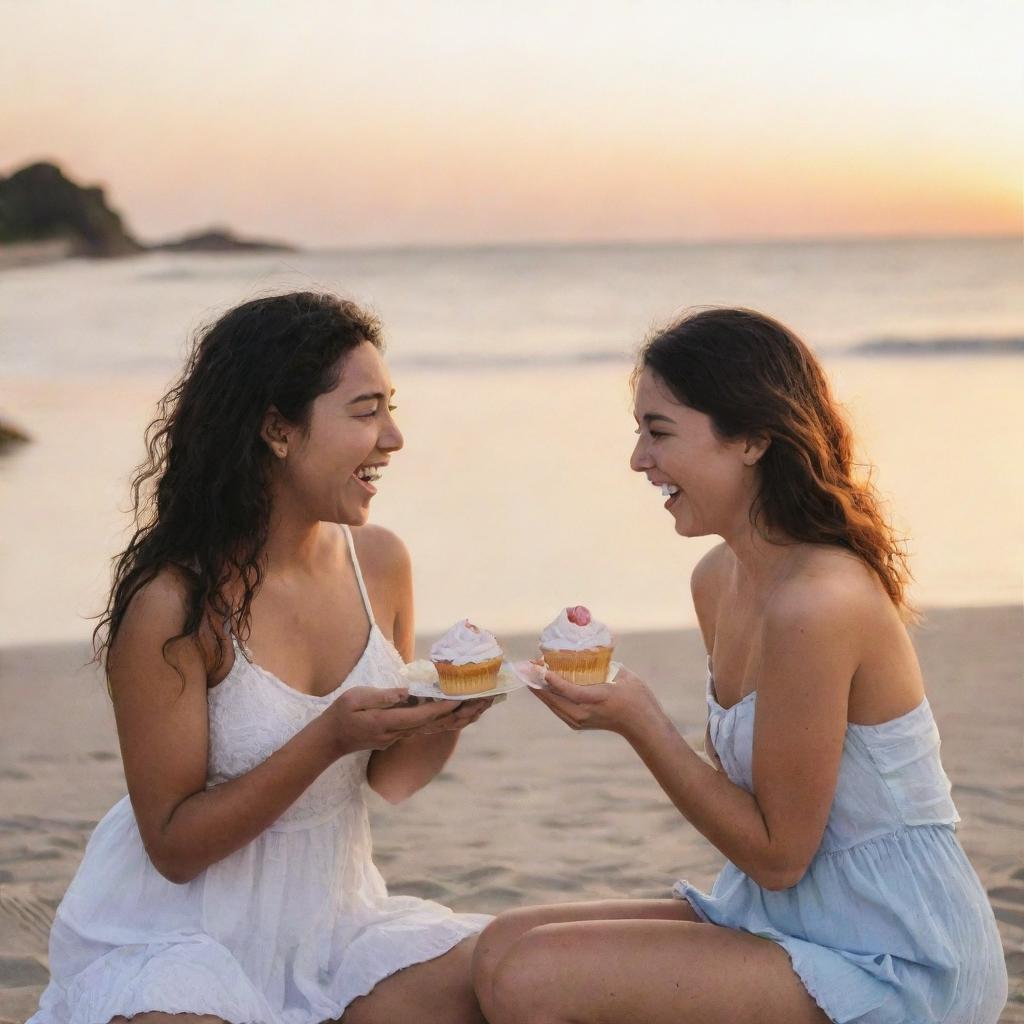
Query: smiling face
x=328, y=472
x=710, y=483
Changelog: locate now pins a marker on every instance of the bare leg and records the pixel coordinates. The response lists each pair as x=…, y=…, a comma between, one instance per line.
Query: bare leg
x=154, y=1017
x=658, y=972
x=507, y=928
x=439, y=991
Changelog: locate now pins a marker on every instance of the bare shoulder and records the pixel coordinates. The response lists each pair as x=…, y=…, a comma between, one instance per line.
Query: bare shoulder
x=832, y=593
x=706, y=583
x=387, y=570
x=709, y=568
x=381, y=552
x=158, y=609
x=157, y=613
x=705, y=580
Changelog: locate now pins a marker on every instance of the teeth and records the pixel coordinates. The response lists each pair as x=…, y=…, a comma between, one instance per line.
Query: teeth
x=370, y=474
x=669, y=489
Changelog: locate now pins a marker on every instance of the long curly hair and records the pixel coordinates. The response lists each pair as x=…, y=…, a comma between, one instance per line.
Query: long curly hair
x=753, y=376
x=200, y=499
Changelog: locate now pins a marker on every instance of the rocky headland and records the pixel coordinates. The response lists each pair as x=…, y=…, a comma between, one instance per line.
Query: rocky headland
x=45, y=215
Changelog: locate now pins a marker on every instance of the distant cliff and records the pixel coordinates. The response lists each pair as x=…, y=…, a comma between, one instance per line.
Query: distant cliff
x=44, y=215
x=221, y=240
x=38, y=203
x=10, y=434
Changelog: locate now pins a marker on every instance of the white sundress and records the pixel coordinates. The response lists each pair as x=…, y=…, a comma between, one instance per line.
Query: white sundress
x=287, y=930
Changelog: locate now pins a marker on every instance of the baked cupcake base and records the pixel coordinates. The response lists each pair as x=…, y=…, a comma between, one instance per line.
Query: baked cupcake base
x=475, y=677
x=584, y=668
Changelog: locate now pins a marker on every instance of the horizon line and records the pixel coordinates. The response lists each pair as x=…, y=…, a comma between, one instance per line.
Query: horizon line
x=643, y=243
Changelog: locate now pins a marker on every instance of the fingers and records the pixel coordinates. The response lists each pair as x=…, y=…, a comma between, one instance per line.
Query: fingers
x=594, y=694
x=560, y=707
x=466, y=714
x=471, y=710
x=365, y=698
x=410, y=719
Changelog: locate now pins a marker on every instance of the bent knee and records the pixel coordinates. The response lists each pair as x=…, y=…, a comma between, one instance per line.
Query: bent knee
x=528, y=973
x=493, y=942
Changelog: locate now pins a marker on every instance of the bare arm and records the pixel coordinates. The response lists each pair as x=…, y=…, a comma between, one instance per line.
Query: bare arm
x=407, y=766
x=809, y=658
x=163, y=730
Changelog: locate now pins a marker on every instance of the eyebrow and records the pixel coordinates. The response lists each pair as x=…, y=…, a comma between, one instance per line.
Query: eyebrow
x=375, y=396
x=657, y=417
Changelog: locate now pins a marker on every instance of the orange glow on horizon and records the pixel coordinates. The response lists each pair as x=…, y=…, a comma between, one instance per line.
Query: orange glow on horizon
x=589, y=122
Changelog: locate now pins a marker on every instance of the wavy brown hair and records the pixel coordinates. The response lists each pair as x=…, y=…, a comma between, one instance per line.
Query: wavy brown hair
x=753, y=376
x=200, y=499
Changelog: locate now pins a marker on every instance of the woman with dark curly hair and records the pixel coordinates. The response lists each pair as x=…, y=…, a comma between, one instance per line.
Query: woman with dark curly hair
x=846, y=896
x=253, y=642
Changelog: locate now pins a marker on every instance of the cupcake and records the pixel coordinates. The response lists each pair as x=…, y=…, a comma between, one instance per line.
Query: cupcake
x=467, y=659
x=577, y=647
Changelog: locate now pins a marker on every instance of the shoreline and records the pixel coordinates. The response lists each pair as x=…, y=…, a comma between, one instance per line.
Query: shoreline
x=14, y=255
x=526, y=812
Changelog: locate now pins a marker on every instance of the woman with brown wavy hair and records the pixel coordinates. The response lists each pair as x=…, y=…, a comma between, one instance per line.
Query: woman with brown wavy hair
x=254, y=642
x=846, y=896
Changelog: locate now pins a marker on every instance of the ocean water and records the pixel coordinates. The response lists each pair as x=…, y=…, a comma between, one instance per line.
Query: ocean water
x=513, y=492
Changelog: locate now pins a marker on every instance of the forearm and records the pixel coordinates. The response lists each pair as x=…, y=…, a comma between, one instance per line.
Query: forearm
x=726, y=814
x=406, y=767
x=210, y=825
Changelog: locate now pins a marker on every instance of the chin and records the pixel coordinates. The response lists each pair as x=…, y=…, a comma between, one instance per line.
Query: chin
x=686, y=530
x=359, y=517
x=348, y=516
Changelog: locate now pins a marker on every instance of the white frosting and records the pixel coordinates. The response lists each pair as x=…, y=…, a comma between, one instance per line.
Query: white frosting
x=565, y=635
x=464, y=644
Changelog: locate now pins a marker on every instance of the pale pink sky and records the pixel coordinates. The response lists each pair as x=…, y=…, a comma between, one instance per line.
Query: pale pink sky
x=365, y=123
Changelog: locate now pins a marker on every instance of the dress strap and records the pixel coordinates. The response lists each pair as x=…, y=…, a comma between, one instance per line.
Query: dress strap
x=359, y=574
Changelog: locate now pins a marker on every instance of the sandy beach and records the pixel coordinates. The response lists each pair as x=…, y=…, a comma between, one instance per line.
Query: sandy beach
x=526, y=812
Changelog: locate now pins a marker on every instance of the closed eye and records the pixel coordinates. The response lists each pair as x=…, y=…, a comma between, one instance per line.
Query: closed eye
x=374, y=412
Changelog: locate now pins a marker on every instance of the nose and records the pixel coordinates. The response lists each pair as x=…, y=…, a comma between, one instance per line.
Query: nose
x=640, y=461
x=391, y=439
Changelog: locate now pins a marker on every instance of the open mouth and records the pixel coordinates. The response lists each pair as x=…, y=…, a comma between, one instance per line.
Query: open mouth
x=367, y=476
x=669, y=491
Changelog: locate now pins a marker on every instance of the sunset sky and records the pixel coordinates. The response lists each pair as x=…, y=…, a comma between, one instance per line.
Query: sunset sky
x=363, y=123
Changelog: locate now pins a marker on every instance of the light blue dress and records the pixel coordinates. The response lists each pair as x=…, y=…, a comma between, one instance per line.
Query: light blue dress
x=890, y=924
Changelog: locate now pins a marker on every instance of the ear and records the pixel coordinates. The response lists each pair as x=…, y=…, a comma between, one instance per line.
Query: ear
x=754, y=448
x=274, y=430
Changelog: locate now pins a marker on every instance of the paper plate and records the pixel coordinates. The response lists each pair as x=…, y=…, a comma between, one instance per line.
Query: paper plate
x=533, y=676
x=421, y=680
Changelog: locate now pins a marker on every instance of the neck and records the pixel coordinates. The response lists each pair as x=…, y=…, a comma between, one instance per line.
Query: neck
x=762, y=559
x=293, y=540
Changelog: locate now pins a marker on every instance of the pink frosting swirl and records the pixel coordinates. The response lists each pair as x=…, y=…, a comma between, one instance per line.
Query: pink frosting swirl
x=573, y=631
x=465, y=644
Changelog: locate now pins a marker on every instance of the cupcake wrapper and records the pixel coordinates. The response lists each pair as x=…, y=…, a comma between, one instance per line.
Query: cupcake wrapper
x=584, y=668
x=475, y=677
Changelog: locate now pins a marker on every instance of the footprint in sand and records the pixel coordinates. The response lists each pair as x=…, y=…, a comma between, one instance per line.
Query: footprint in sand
x=30, y=912
x=20, y=972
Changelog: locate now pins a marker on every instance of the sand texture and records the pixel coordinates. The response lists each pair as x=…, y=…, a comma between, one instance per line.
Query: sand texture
x=527, y=811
